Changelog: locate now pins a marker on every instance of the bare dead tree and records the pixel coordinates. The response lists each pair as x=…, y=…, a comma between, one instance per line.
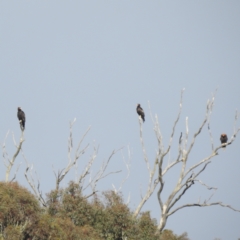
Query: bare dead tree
x=9, y=161
x=187, y=176
x=185, y=181
x=158, y=160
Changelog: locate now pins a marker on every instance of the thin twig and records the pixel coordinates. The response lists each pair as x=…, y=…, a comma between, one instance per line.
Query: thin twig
x=203, y=205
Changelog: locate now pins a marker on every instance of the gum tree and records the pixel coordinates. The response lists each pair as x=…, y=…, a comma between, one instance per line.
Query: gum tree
x=188, y=175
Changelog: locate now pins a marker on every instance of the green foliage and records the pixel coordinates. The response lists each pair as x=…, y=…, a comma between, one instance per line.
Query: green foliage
x=53, y=202
x=71, y=216
x=76, y=207
x=117, y=217
x=169, y=235
x=48, y=227
x=12, y=232
x=17, y=206
x=148, y=227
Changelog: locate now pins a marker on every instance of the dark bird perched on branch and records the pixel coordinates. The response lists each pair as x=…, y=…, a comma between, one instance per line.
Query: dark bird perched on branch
x=140, y=112
x=223, y=139
x=21, y=118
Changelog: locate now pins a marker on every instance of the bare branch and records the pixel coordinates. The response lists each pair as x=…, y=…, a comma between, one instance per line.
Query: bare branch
x=149, y=107
x=203, y=205
x=127, y=164
x=88, y=196
x=128, y=199
x=109, y=174
x=158, y=136
x=175, y=123
x=100, y=174
x=208, y=123
x=145, y=198
x=62, y=173
x=237, y=114
x=210, y=134
x=151, y=185
x=70, y=140
x=214, y=153
x=115, y=190
x=9, y=162
x=205, y=185
x=188, y=183
x=186, y=137
x=170, y=202
x=201, y=170
x=180, y=153
x=15, y=174
x=208, y=112
x=35, y=189
x=31, y=182
x=160, y=172
x=184, y=183
x=159, y=158
x=199, y=130
x=6, y=157
x=186, y=187
x=209, y=188
x=143, y=146
x=90, y=162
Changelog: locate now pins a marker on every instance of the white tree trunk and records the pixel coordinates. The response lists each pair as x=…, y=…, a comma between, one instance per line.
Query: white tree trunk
x=163, y=219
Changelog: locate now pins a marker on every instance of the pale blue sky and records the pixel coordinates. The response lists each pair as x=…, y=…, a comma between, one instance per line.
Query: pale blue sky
x=95, y=60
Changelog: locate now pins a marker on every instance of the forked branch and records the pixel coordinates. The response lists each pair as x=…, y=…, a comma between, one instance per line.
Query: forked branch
x=71, y=162
x=101, y=173
x=205, y=204
x=185, y=181
x=36, y=189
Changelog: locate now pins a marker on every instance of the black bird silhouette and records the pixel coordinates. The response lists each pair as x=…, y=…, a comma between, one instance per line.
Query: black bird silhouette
x=21, y=118
x=223, y=139
x=140, y=112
